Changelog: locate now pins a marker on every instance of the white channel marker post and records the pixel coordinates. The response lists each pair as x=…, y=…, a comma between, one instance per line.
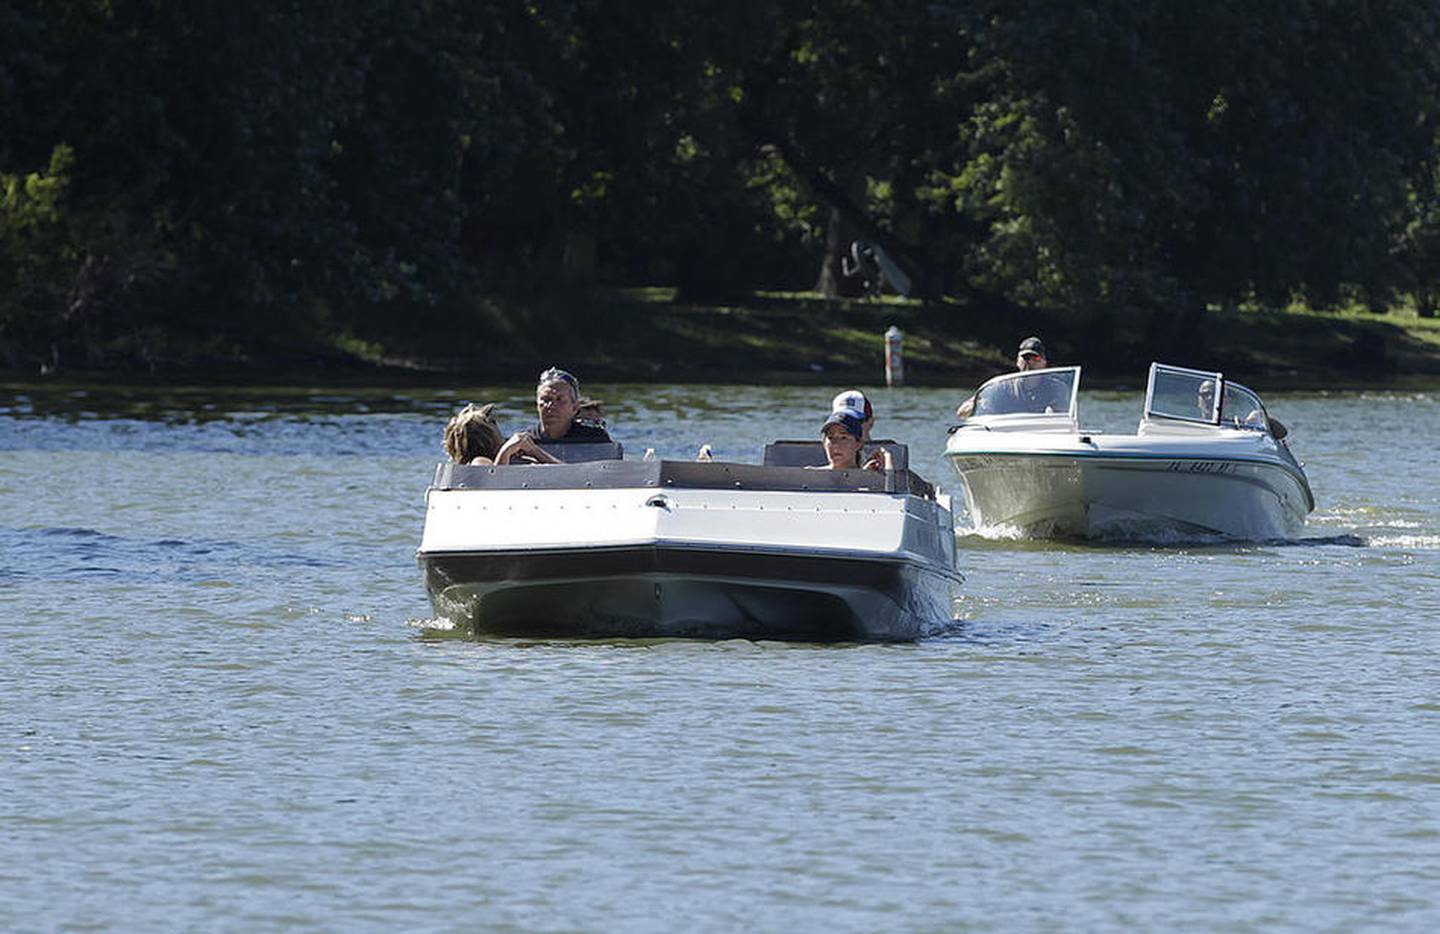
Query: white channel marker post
x=894, y=359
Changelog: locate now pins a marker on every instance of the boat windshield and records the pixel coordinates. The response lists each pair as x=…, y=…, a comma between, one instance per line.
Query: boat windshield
x=1241, y=408
x=1186, y=395
x=1191, y=396
x=1031, y=392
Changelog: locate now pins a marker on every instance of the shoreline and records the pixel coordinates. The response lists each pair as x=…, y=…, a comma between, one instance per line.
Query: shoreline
x=645, y=337
x=381, y=379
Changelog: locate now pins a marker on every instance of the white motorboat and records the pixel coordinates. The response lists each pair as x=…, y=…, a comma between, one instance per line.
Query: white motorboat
x=1205, y=461
x=605, y=548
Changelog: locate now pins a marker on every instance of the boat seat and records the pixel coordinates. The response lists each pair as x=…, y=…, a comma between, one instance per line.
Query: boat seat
x=812, y=453
x=583, y=452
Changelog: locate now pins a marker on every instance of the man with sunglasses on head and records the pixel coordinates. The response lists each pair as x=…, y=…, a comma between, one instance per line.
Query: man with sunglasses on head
x=557, y=403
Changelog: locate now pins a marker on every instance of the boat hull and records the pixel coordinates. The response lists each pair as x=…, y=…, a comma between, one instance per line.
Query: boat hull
x=689, y=550
x=1074, y=495
x=1205, y=460
x=661, y=591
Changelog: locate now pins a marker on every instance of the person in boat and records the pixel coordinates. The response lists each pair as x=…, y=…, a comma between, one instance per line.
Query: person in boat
x=472, y=437
x=843, y=435
x=557, y=403
x=592, y=411
x=1233, y=403
x=855, y=402
x=1037, y=395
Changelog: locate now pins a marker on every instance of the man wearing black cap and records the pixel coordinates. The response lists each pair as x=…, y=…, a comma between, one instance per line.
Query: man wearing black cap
x=1030, y=356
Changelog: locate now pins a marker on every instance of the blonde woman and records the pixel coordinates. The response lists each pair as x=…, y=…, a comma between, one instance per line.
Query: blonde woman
x=472, y=437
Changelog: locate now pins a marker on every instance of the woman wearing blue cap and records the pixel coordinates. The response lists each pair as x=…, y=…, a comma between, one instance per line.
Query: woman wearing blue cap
x=843, y=435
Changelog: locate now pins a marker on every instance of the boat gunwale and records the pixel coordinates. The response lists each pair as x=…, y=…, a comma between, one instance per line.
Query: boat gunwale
x=670, y=474
x=1285, y=466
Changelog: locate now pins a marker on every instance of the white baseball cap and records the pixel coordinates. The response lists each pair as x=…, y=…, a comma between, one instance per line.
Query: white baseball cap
x=854, y=402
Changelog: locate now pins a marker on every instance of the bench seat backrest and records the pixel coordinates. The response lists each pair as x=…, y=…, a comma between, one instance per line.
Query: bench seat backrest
x=812, y=453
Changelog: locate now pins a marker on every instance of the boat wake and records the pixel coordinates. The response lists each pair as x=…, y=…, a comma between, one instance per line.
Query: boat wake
x=1345, y=540
x=439, y=623
x=1180, y=538
x=439, y=627
x=1418, y=542
x=949, y=630
x=1118, y=535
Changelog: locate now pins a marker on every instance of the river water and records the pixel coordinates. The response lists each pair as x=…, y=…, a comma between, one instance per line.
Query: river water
x=225, y=706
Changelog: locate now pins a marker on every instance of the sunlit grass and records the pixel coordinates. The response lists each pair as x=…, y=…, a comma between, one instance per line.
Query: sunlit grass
x=644, y=334
x=366, y=350
x=803, y=332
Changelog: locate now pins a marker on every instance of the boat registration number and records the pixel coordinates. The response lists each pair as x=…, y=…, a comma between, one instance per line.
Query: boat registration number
x=1201, y=467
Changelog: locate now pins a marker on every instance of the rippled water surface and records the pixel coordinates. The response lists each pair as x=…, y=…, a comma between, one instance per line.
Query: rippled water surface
x=223, y=709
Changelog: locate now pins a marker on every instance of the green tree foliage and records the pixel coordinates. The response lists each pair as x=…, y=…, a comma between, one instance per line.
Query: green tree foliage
x=1172, y=153
x=191, y=180
x=35, y=252
x=1417, y=256
x=257, y=176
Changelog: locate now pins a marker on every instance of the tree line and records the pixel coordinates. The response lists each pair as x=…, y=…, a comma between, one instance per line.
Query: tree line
x=258, y=179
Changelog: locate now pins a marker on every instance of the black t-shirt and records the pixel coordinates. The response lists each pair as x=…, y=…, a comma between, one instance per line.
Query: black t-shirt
x=579, y=432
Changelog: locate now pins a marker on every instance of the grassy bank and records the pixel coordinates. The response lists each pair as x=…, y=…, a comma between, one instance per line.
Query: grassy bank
x=645, y=335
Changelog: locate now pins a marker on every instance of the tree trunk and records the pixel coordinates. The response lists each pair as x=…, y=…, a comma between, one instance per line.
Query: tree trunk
x=828, y=282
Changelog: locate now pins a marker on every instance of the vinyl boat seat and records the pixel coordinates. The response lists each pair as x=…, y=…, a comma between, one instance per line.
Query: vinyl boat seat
x=812, y=453
x=583, y=452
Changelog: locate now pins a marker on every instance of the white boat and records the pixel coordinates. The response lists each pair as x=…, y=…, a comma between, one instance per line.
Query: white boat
x=662, y=548
x=1205, y=461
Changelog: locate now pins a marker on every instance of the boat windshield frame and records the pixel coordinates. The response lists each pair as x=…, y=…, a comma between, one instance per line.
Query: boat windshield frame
x=1068, y=419
x=1165, y=371
x=1252, y=416
x=1224, y=397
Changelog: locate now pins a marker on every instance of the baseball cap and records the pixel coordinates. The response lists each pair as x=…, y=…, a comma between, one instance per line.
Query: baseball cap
x=847, y=420
x=853, y=400
x=1033, y=345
